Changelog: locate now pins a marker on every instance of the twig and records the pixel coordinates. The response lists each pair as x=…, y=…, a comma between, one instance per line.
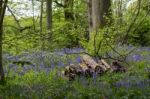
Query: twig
x=132, y=23
x=16, y=20
x=59, y=4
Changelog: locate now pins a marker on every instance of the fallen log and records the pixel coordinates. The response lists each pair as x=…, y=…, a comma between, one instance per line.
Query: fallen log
x=88, y=67
x=99, y=70
x=86, y=70
x=74, y=69
x=116, y=67
x=105, y=64
x=92, y=64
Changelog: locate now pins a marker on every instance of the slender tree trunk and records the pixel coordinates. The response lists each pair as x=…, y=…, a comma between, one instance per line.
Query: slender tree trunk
x=49, y=17
x=1, y=62
x=33, y=16
x=41, y=17
x=90, y=15
x=119, y=12
x=2, y=13
x=41, y=27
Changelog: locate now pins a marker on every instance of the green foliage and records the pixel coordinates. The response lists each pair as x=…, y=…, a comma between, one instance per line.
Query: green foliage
x=140, y=35
x=100, y=41
x=40, y=85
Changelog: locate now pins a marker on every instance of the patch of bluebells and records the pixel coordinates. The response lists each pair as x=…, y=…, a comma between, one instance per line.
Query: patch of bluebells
x=137, y=57
x=138, y=84
x=43, y=61
x=61, y=58
x=61, y=64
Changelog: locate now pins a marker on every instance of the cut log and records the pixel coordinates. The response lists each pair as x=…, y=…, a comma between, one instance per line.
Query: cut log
x=71, y=76
x=105, y=64
x=99, y=70
x=85, y=69
x=102, y=65
x=116, y=67
x=75, y=69
x=88, y=67
x=91, y=63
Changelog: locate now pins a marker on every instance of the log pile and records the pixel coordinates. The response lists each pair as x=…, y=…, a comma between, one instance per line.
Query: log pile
x=89, y=66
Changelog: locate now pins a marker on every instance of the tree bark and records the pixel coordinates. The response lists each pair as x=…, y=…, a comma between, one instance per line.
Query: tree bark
x=90, y=15
x=100, y=13
x=49, y=17
x=119, y=12
x=41, y=16
x=2, y=13
x=1, y=60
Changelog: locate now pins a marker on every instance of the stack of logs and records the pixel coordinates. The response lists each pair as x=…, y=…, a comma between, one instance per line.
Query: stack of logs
x=88, y=67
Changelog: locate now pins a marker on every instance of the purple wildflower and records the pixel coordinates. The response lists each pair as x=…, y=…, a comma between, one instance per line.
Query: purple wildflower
x=94, y=77
x=69, y=61
x=137, y=57
x=48, y=70
x=78, y=59
x=42, y=65
x=52, y=65
x=60, y=63
x=25, y=68
x=11, y=65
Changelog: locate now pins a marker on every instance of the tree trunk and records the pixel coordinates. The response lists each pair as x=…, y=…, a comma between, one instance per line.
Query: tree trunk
x=1, y=59
x=41, y=26
x=119, y=11
x=41, y=17
x=49, y=17
x=2, y=13
x=100, y=13
x=33, y=15
x=90, y=15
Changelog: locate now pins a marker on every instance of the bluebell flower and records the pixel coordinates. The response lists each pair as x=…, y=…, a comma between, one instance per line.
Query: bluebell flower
x=140, y=84
x=25, y=68
x=127, y=85
x=74, y=51
x=130, y=46
x=48, y=70
x=118, y=85
x=42, y=65
x=79, y=49
x=60, y=63
x=67, y=50
x=11, y=65
x=21, y=73
x=69, y=61
x=78, y=59
x=62, y=52
x=15, y=68
x=94, y=77
x=52, y=65
x=137, y=57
